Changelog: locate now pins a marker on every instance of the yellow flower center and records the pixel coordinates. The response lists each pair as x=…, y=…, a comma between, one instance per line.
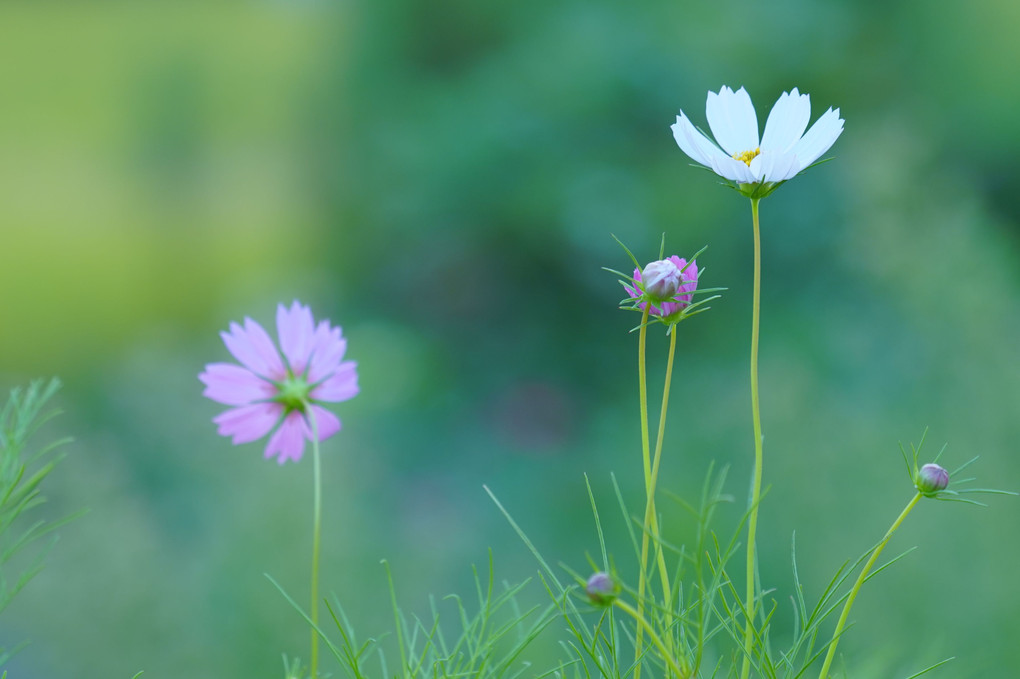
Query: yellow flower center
x=747, y=156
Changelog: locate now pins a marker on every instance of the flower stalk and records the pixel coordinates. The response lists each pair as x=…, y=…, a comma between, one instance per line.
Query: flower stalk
x=316, y=542
x=662, y=291
x=838, y=632
x=651, y=522
x=647, y=466
x=755, y=166
x=651, y=472
x=279, y=388
x=651, y=517
x=651, y=467
x=752, y=521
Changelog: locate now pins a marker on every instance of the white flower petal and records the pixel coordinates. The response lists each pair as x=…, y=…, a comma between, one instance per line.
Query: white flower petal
x=777, y=167
x=734, y=170
x=787, y=122
x=756, y=167
x=794, y=168
x=822, y=135
x=761, y=166
x=694, y=143
x=732, y=119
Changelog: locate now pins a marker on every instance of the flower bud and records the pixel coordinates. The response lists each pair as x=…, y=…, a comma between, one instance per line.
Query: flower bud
x=601, y=589
x=931, y=478
x=674, y=278
x=662, y=279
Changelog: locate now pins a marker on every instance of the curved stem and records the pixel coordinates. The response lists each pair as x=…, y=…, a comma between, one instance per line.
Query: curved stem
x=647, y=465
x=316, y=540
x=642, y=624
x=860, y=581
x=752, y=521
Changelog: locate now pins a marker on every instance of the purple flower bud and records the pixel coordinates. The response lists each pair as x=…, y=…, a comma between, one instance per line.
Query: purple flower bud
x=931, y=479
x=661, y=279
x=601, y=589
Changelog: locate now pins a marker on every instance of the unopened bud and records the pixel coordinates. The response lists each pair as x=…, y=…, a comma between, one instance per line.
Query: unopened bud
x=662, y=279
x=601, y=589
x=931, y=478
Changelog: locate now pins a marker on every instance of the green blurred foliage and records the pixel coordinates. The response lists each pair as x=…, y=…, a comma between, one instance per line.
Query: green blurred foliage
x=442, y=179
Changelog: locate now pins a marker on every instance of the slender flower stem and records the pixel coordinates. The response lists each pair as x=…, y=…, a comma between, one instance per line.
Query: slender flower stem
x=656, y=641
x=651, y=469
x=752, y=520
x=651, y=516
x=316, y=535
x=647, y=465
x=860, y=581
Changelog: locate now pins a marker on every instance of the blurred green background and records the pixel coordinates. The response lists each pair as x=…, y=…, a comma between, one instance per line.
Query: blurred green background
x=441, y=179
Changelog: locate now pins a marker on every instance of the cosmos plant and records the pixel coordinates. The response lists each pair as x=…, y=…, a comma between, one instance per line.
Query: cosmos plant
x=280, y=389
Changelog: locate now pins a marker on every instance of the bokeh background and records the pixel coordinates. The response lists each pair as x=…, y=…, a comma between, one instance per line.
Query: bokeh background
x=442, y=178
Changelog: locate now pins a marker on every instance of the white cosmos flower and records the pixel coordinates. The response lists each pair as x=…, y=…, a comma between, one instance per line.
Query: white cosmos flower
x=783, y=151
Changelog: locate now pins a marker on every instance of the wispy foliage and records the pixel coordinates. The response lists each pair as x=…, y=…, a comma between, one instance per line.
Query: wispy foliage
x=23, y=468
x=485, y=639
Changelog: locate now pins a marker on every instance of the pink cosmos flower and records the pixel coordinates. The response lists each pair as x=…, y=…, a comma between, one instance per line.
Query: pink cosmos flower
x=277, y=390
x=683, y=296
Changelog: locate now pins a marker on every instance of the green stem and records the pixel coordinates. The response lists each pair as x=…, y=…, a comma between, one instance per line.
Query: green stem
x=651, y=516
x=656, y=641
x=860, y=581
x=752, y=520
x=316, y=540
x=647, y=465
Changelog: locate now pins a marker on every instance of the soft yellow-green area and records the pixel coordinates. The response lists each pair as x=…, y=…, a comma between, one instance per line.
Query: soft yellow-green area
x=147, y=162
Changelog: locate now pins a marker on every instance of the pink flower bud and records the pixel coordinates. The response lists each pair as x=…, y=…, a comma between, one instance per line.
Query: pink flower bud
x=662, y=279
x=675, y=276
x=931, y=479
x=601, y=589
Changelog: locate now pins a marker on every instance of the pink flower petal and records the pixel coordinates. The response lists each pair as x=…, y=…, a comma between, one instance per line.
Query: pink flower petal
x=233, y=385
x=341, y=385
x=252, y=346
x=313, y=352
x=296, y=329
x=248, y=423
x=288, y=442
x=689, y=273
x=327, y=423
x=327, y=351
